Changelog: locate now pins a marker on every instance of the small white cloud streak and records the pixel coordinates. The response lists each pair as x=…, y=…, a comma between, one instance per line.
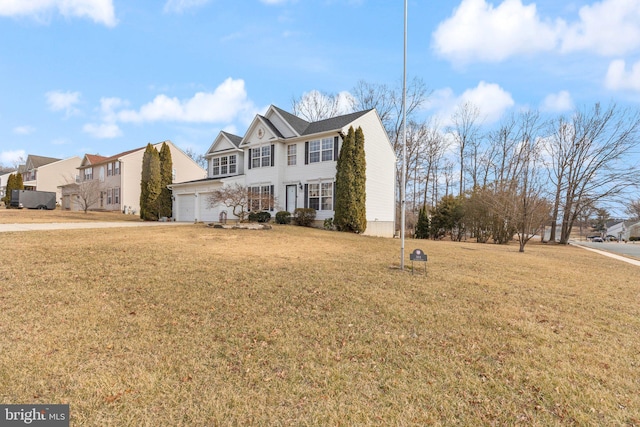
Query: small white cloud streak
x=63, y=101
x=480, y=31
x=12, y=157
x=225, y=103
x=100, y=11
x=491, y=100
x=557, y=102
x=24, y=130
x=618, y=78
x=179, y=6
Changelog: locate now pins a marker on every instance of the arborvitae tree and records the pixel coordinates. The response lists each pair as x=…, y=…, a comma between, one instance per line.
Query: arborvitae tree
x=14, y=182
x=344, y=183
x=19, y=184
x=422, y=227
x=360, y=183
x=10, y=186
x=350, y=210
x=166, y=175
x=150, y=184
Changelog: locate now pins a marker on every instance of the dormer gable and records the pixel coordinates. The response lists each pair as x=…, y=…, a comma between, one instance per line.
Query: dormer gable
x=90, y=160
x=224, y=142
x=260, y=131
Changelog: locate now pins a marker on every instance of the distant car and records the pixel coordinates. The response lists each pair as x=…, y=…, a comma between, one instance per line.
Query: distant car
x=597, y=239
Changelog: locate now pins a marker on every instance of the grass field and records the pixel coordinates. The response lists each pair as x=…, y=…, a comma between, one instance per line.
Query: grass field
x=197, y=326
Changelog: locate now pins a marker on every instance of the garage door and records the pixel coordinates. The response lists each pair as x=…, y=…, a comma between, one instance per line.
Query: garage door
x=185, y=208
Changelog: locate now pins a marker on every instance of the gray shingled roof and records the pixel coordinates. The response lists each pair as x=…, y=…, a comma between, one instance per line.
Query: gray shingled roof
x=298, y=124
x=333, y=123
x=305, y=128
x=37, y=161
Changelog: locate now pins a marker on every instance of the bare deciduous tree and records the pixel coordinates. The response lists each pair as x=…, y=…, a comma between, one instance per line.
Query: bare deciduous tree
x=633, y=210
x=315, y=105
x=233, y=196
x=589, y=161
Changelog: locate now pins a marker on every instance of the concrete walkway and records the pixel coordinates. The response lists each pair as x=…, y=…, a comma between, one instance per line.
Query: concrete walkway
x=4, y=228
x=608, y=254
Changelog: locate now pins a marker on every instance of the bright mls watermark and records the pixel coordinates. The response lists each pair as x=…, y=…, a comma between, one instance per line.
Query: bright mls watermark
x=34, y=415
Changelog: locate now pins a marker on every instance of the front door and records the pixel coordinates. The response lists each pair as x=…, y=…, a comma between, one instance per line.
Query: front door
x=292, y=192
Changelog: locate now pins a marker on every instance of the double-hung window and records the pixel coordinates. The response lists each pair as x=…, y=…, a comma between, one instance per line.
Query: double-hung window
x=321, y=150
x=291, y=154
x=261, y=157
x=109, y=169
x=116, y=168
x=109, y=196
x=320, y=196
x=224, y=165
x=261, y=198
x=116, y=196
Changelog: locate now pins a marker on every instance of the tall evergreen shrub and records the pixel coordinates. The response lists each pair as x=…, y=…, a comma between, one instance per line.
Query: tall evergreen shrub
x=150, y=184
x=166, y=178
x=350, y=206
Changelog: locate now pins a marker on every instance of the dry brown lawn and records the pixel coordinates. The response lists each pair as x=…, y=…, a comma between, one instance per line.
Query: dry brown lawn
x=195, y=326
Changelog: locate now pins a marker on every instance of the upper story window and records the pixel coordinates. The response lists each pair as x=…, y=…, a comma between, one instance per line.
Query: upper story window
x=321, y=150
x=225, y=165
x=291, y=154
x=261, y=157
x=109, y=169
x=116, y=168
x=88, y=174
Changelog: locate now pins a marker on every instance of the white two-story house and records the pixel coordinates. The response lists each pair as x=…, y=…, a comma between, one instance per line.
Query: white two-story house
x=286, y=163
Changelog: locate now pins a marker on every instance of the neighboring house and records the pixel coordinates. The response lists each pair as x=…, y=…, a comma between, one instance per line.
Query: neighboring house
x=622, y=230
x=47, y=173
x=3, y=183
x=284, y=158
x=113, y=183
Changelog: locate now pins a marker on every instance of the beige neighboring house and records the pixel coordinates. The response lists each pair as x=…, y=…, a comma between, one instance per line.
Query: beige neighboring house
x=47, y=173
x=113, y=183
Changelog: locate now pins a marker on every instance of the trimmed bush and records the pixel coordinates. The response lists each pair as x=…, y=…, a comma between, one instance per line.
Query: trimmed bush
x=304, y=216
x=283, y=217
x=328, y=224
x=261, y=216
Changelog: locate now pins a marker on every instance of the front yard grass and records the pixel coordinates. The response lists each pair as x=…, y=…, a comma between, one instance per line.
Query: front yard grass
x=199, y=326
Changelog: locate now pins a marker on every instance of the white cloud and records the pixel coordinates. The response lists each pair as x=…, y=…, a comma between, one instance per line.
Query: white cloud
x=273, y=2
x=609, y=27
x=63, y=101
x=24, y=130
x=491, y=100
x=479, y=31
x=228, y=101
x=179, y=6
x=557, y=102
x=100, y=11
x=12, y=157
x=618, y=78
x=102, y=131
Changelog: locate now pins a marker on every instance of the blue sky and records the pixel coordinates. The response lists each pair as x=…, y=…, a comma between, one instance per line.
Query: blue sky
x=105, y=76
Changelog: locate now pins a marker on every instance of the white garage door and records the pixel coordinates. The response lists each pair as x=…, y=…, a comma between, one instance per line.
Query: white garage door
x=186, y=204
